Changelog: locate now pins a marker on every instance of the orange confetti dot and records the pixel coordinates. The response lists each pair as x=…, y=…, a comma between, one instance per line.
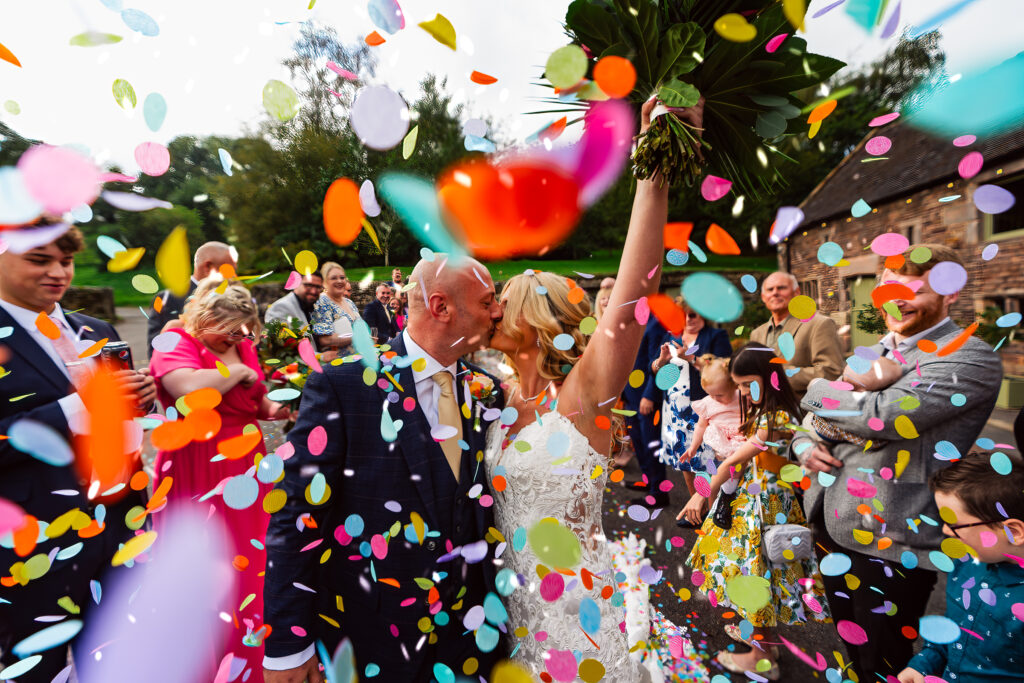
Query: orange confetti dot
x=433, y=595
x=239, y=446
x=615, y=76
x=94, y=349
x=555, y=130
x=390, y=582
x=602, y=422
x=227, y=271
x=959, y=341
x=170, y=436
x=894, y=262
x=805, y=483
x=863, y=509
x=909, y=632
x=884, y=542
x=47, y=326
x=8, y=56
x=576, y=295
x=139, y=481
x=203, y=399
x=721, y=242
x=343, y=214
x=375, y=39
x=587, y=578
x=159, y=496
x=890, y=291
x=822, y=110
x=606, y=592
x=927, y=345
x=657, y=417
x=158, y=304
x=728, y=615
x=25, y=536
x=92, y=530
x=109, y=407
x=482, y=78
x=240, y=562
x=498, y=483
x=677, y=236
x=546, y=677
x=204, y=424
x=668, y=313
x=616, y=476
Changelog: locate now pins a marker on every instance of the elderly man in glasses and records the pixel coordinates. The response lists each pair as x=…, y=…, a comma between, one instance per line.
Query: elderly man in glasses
x=810, y=347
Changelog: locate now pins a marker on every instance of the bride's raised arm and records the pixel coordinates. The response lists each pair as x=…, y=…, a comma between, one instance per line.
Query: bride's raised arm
x=608, y=358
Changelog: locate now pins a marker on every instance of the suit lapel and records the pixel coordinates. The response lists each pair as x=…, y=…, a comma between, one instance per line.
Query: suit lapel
x=414, y=440
x=23, y=344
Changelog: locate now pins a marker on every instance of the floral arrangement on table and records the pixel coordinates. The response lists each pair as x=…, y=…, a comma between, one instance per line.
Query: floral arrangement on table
x=739, y=55
x=279, y=358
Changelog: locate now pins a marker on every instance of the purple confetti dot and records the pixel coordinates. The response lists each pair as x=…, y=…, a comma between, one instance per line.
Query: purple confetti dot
x=993, y=199
x=947, y=277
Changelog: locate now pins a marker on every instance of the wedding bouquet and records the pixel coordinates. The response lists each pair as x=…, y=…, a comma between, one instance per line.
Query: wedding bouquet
x=748, y=81
x=279, y=356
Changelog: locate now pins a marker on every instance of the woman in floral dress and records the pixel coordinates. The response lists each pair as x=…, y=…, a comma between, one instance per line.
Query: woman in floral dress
x=334, y=313
x=730, y=560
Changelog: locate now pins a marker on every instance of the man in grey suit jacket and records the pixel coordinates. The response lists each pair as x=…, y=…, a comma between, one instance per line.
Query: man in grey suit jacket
x=297, y=303
x=871, y=501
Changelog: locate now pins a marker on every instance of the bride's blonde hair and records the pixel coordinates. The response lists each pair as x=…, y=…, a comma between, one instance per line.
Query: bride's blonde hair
x=550, y=313
x=212, y=308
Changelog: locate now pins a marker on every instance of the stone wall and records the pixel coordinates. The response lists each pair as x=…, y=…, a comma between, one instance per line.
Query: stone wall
x=95, y=301
x=921, y=217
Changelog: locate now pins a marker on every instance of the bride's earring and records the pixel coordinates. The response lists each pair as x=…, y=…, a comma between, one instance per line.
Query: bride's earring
x=538, y=342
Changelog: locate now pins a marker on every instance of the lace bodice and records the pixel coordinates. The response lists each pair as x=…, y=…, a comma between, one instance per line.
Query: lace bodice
x=551, y=470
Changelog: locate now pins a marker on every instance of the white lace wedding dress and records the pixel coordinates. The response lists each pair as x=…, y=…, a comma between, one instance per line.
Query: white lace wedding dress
x=561, y=476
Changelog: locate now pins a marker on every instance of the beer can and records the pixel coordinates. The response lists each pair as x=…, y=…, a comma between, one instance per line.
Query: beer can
x=117, y=356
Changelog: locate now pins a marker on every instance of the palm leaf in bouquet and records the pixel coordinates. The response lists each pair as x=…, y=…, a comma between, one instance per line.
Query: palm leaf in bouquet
x=749, y=92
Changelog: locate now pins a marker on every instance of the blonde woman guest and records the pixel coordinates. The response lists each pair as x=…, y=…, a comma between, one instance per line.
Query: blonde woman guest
x=218, y=332
x=334, y=313
x=601, y=301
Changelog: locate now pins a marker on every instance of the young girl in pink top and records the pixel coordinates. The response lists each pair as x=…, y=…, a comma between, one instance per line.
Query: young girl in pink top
x=717, y=434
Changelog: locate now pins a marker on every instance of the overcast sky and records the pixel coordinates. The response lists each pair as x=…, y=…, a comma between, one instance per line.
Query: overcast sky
x=212, y=58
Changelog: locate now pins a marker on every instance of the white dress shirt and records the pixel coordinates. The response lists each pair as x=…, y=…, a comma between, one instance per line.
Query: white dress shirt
x=71, y=405
x=427, y=393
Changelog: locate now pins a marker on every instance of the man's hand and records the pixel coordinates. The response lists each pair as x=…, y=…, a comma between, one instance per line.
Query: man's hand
x=138, y=383
x=820, y=459
x=909, y=675
x=307, y=673
x=646, y=406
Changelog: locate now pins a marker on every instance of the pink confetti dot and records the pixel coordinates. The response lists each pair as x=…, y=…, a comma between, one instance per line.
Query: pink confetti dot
x=383, y=383
x=677, y=541
x=851, y=632
x=407, y=602
x=713, y=188
x=964, y=140
x=883, y=119
x=561, y=665
x=878, y=145
x=299, y=631
x=394, y=629
x=889, y=244
x=697, y=578
x=317, y=440
x=702, y=486
x=666, y=486
x=552, y=586
x=776, y=41
x=153, y=158
x=988, y=539
x=486, y=501
x=970, y=165
x=341, y=536
x=886, y=473
x=875, y=423
x=540, y=636
x=59, y=178
x=408, y=404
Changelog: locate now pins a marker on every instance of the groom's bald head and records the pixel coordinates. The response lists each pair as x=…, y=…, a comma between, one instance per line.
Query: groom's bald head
x=452, y=306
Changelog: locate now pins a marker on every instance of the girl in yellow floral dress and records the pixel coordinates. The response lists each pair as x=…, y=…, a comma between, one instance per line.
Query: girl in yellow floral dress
x=749, y=496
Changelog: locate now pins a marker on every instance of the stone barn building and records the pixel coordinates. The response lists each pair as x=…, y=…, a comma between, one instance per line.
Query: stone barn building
x=915, y=189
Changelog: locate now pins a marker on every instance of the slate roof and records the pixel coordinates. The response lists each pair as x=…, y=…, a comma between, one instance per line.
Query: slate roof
x=916, y=160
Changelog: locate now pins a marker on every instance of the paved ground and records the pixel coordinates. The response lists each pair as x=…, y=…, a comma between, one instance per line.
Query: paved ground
x=704, y=621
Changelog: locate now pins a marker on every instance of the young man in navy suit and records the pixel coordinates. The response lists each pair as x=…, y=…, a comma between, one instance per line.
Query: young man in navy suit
x=422, y=504
x=39, y=385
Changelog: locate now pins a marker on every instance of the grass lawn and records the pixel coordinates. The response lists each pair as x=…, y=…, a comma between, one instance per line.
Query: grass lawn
x=90, y=272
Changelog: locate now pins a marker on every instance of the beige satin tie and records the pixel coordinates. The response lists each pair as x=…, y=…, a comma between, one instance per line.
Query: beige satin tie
x=448, y=414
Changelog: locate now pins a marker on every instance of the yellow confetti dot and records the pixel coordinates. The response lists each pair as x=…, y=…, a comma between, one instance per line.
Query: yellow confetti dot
x=425, y=625
x=791, y=473
x=684, y=594
x=36, y=566
x=274, y=501
x=126, y=260
x=470, y=666
x=597, y=472
x=591, y=671
x=441, y=30
x=305, y=262
x=863, y=537
x=223, y=369
x=173, y=262
x=636, y=379
x=947, y=515
x=369, y=377
x=902, y=460
x=60, y=526
x=521, y=632
x=135, y=546
x=589, y=325
x=709, y=545
x=330, y=621
x=507, y=672
x=802, y=307
x=852, y=582
x=905, y=428
x=419, y=365
x=954, y=547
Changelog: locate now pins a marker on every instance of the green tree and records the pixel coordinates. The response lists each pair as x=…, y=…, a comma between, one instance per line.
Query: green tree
x=149, y=229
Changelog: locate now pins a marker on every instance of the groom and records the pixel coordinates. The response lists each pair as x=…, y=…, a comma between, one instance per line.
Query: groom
x=393, y=555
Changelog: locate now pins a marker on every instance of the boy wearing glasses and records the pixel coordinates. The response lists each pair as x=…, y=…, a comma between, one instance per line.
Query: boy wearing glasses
x=983, y=508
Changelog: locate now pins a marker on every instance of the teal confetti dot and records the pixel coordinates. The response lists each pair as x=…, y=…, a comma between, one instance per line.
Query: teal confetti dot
x=590, y=616
x=240, y=492
x=563, y=342
x=941, y=561
x=1000, y=463
x=676, y=257
x=938, y=629
x=1009, y=320
x=830, y=253
x=519, y=539
x=354, y=525
x=713, y=297
x=505, y=581
x=697, y=252
x=908, y=559
x=494, y=611
x=860, y=208
x=442, y=673
x=835, y=564
x=372, y=670
x=985, y=443
x=958, y=399
x=666, y=377
x=749, y=283
x=787, y=345
x=755, y=392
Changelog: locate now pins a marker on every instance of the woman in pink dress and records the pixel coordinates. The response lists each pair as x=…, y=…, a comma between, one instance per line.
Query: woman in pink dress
x=215, y=350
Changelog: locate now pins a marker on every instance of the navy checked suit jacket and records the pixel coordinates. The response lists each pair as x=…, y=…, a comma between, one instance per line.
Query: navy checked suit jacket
x=371, y=478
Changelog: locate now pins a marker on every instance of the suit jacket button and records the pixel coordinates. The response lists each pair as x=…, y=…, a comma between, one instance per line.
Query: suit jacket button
x=431, y=545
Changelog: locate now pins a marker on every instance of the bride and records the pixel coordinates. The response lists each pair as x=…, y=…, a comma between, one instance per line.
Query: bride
x=564, y=621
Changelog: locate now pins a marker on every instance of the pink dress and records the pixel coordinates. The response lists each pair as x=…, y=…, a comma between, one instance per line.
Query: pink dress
x=723, y=433
x=194, y=476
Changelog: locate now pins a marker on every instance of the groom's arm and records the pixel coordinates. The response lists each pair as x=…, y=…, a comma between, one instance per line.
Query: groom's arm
x=286, y=604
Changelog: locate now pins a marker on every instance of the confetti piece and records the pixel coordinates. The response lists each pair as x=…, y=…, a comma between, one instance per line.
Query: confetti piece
x=409, y=143
x=379, y=117
x=154, y=111
x=860, y=208
x=140, y=22
x=482, y=78
x=226, y=162
x=878, y=145
x=749, y=593
x=947, y=277
x=720, y=242
x=308, y=355
x=344, y=73
x=821, y=112
x=387, y=16
x=441, y=30
x=133, y=547
x=970, y=165
x=883, y=119
x=153, y=158
x=775, y=43
x=59, y=178
x=554, y=544
x=735, y=27
x=794, y=11
x=40, y=441
x=713, y=188
x=343, y=213
x=94, y=39
x=787, y=219
x=566, y=66
x=129, y=201
x=958, y=341
x=993, y=199
x=280, y=100
x=374, y=39
x=173, y=262
x=8, y=56
x=124, y=94
x=615, y=75
x=713, y=297
x=938, y=629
